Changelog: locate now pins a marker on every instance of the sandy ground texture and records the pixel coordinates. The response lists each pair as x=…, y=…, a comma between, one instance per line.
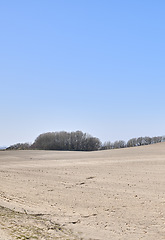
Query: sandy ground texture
x=3, y=235
x=104, y=195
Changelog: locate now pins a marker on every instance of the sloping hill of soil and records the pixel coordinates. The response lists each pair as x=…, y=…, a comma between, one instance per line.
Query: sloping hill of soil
x=112, y=194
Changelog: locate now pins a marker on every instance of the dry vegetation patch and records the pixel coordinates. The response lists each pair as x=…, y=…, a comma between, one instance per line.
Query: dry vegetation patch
x=32, y=226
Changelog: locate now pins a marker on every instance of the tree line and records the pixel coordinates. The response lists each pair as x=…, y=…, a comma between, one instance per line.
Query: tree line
x=133, y=142
x=74, y=141
x=79, y=141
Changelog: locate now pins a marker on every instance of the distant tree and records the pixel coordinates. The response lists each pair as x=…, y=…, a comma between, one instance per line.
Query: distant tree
x=159, y=139
x=139, y=141
x=79, y=141
x=107, y=145
x=45, y=141
x=132, y=142
x=146, y=140
x=20, y=146
x=119, y=144
x=163, y=139
x=92, y=144
x=156, y=139
x=74, y=141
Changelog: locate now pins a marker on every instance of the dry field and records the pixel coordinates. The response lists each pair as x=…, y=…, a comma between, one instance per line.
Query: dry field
x=105, y=195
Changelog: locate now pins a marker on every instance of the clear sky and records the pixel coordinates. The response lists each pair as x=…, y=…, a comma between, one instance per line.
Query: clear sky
x=92, y=65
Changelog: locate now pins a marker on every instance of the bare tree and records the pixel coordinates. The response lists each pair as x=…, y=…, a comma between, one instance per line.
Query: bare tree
x=20, y=146
x=107, y=145
x=146, y=140
x=132, y=142
x=75, y=141
x=156, y=139
x=139, y=141
x=119, y=144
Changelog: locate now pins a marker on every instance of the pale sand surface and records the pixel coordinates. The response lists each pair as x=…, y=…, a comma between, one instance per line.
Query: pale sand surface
x=3, y=235
x=105, y=195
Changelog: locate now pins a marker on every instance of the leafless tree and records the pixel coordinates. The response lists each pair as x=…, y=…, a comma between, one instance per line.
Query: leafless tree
x=107, y=145
x=20, y=146
x=132, y=142
x=119, y=144
x=74, y=141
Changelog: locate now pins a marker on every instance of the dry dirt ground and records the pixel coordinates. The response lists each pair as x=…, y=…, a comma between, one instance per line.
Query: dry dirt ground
x=104, y=195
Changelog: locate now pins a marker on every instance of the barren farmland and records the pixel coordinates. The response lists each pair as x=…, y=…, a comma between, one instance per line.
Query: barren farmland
x=103, y=195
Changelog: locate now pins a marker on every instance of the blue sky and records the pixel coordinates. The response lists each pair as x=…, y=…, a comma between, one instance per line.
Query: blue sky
x=91, y=65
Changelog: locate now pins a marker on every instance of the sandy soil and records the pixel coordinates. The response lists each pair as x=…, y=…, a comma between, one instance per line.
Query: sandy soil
x=116, y=194
x=3, y=235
